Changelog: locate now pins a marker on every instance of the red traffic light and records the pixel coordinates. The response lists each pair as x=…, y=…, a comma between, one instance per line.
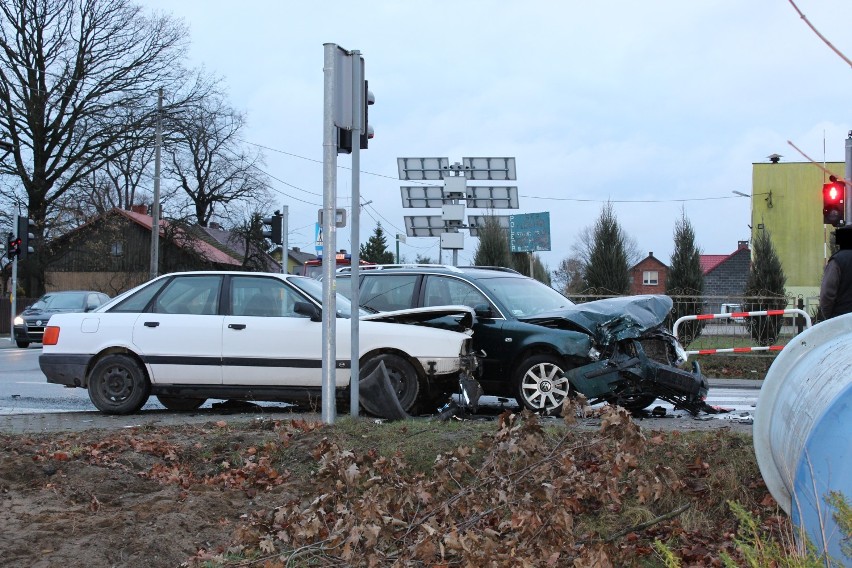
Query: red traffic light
x=833, y=195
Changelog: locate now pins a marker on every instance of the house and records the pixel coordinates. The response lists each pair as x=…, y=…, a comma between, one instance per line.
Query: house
x=112, y=252
x=649, y=276
x=725, y=277
x=786, y=202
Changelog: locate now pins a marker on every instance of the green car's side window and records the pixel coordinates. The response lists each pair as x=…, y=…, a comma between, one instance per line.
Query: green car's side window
x=388, y=293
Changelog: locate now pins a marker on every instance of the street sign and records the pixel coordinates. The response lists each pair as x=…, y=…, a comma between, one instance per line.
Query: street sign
x=529, y=232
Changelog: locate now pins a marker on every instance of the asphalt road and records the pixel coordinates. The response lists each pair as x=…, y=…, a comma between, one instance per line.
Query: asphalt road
x=29, y=404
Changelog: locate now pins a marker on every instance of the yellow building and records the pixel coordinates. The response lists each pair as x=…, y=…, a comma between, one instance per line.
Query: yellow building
x=786, y=200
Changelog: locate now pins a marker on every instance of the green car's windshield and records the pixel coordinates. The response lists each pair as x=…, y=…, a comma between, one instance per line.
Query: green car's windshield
x=313, y=288
x=524, y=296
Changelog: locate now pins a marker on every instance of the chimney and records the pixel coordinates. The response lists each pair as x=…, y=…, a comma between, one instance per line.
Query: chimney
x=651, y=253
x=296, y=249
x=215, y=225
x=140, y=209
x=742, y=245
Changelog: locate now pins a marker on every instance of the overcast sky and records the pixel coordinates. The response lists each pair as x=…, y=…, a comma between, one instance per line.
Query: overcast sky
x=656, y=106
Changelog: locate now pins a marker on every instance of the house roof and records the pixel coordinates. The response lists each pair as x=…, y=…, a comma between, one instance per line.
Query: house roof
x=200, y=246
x=649, y=259
x=710, y=261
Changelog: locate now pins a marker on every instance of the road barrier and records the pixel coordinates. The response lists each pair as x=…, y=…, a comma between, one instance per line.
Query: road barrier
x=801, y=427
x=740, y=316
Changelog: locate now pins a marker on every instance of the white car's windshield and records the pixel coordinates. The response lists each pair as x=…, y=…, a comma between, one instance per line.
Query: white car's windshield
x=313, y=288
x=524, y=296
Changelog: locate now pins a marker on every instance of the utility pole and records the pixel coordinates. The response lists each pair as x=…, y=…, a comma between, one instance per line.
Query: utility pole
x=285, y=256
x=155, y=208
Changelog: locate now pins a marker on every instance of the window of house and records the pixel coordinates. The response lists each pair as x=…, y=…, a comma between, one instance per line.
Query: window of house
x=117, y=248
x=650, y=277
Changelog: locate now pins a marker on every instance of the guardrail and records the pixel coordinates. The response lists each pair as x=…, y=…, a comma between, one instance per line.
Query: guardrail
x=740, y=316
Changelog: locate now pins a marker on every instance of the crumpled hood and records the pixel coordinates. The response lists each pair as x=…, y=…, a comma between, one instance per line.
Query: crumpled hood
x=611, y=319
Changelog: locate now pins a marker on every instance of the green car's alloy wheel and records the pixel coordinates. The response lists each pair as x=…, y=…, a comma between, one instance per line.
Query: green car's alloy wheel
x=540, y=384
x=118, y=385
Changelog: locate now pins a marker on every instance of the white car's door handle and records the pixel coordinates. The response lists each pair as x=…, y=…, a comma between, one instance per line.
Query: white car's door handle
x=152, y=323
x=237, y=325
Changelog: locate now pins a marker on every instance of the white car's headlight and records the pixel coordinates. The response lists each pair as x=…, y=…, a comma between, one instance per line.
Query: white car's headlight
x=19, y=320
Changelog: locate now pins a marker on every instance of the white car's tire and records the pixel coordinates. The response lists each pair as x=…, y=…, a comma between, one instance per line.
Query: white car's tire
x=403, y=377
x=118, y=385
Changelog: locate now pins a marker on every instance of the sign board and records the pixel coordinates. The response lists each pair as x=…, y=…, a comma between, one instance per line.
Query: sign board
x=318, y=238
x=529, y=232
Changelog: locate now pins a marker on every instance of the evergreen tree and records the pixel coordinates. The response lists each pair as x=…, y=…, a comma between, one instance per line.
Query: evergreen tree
x=765, y=290
x=607, y=270
x=376, y=248
x=685, y=281
x=493, y=247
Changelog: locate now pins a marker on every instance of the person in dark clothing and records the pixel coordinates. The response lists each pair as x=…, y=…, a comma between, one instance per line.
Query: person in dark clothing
x=835, y=292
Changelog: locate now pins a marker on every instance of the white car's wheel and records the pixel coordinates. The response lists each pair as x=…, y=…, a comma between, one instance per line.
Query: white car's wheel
x=118, y=385
x=403, y=378
x=540, y=384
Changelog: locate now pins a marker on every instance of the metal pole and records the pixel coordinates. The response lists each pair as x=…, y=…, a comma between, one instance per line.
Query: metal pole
x=155, y=208
x=13, y=297
x=329, y=237
x=532, y=262
x=357, y=115
x=285, y=254
x=847, y=195
x=397, y=249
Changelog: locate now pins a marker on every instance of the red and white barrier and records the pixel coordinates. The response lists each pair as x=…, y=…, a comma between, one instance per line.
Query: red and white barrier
x=738, y=316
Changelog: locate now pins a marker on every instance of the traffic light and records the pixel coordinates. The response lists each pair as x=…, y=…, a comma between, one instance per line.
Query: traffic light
x=369, y=100
x=12, y=245
x=344, y=137
x=26, y=237
x=833, y=198
x=273, y=233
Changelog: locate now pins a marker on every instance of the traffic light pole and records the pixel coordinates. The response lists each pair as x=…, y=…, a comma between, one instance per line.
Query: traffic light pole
x=357, y=93
x=847, y=206
x=13, y=299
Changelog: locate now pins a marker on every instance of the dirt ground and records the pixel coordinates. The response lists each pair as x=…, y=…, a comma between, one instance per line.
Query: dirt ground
x=161, y=489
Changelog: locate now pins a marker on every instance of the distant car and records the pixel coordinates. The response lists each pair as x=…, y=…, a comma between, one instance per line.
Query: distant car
x=186, y=337
x=29, y=326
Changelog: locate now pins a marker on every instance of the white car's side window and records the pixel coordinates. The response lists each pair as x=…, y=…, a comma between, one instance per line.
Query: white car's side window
x=262, y=297
x=196, y=295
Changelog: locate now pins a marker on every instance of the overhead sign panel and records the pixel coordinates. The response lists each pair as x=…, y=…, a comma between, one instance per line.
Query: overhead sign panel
x=422, y=168
x=422, y=196
x=529, y=232
x=492, y=197
x=474, y=222
x=489, y=168
x=424, y=225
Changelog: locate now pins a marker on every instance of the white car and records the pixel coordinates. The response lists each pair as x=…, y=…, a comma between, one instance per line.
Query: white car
x=186, y=337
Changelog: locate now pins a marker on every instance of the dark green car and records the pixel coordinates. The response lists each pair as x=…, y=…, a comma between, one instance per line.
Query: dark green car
x=537, y=345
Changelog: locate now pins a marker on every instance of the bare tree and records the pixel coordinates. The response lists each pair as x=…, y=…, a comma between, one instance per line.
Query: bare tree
x=209, y=162
x=568, y=276
x=73, y=75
